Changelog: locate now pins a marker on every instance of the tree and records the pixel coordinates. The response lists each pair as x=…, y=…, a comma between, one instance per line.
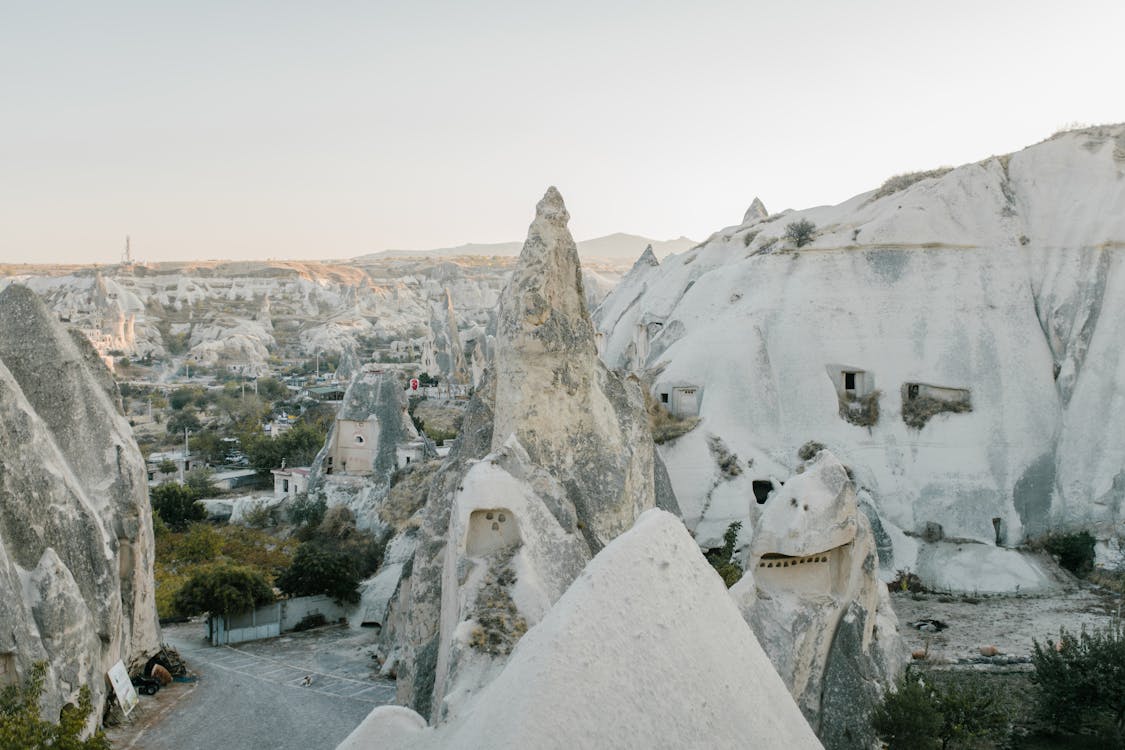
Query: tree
x=272, y=389
x=223, y=589
x=316, y=570
x=200, y=482
x=183, y=420
x=177, y=505
x=800, y=232
x=190, y=394
x=167, y=466
x=22, y=726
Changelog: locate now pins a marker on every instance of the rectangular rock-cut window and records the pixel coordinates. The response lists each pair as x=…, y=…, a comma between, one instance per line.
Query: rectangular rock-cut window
x=849, y=381
x=663, y=398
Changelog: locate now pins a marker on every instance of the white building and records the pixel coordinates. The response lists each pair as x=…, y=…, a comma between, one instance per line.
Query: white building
x=290, y=482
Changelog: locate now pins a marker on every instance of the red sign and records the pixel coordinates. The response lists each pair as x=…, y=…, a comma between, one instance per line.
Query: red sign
x=414, y=384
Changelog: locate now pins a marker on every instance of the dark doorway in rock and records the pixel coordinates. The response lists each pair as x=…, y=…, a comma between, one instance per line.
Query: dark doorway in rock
x=762, y=489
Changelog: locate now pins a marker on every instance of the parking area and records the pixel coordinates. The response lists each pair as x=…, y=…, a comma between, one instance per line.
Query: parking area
x=301, y=691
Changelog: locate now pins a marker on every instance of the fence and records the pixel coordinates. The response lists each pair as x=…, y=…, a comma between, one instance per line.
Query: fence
x=271, y=620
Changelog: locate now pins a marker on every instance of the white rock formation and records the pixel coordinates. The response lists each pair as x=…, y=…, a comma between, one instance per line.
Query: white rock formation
x=814, y=599
x=645, y=649
x=76, y=546
x=998, y=285
x=756, y=212
x=552, y=441
x=574, y=417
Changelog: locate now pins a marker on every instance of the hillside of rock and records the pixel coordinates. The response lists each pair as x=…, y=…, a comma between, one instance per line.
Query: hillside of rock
x=954, y=337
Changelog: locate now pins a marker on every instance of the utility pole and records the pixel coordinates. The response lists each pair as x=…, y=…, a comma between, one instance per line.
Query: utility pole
x=183, y=463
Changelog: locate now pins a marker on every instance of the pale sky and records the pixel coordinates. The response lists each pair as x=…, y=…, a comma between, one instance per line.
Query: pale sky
x=331, y=129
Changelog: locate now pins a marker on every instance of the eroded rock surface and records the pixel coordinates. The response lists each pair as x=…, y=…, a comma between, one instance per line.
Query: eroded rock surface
x=554, y=460
x=76, y=546
x=814, y=599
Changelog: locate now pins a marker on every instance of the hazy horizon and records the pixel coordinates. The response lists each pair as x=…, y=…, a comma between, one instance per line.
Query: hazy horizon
x=284, y=131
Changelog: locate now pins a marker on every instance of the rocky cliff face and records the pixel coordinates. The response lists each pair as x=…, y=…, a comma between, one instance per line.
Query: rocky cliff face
x=76, y=547
x=954, y=337
x=554, y=460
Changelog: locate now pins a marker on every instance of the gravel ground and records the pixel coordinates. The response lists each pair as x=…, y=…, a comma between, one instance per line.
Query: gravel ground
x=1010, y=623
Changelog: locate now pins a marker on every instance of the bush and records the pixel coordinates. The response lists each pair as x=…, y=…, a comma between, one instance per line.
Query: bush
x=1074, y=551
x=177, y=505
x=722, y=558
x=800, y=232
x=316, y=570
x=201, y=483
x=223, y=589
x=862, y=411
x=21, y=725
x=908, y=718
x=917, y=411
x=260, y=517
x=307, y=511
x=903, y=181
x=808, y=451
x=1080, y=680
x=499, y=623
x=310, y=621
x=951, y=712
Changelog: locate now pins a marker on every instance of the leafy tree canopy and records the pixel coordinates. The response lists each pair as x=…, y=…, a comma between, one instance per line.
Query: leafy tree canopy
x=223, y=589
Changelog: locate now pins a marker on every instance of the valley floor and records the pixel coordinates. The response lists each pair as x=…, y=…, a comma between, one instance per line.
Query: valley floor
x=1010, y=623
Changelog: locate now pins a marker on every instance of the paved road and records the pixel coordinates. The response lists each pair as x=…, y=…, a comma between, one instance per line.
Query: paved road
x=249, y=700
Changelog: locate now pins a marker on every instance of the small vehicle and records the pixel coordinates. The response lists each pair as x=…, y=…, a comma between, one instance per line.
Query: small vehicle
x=146, y=685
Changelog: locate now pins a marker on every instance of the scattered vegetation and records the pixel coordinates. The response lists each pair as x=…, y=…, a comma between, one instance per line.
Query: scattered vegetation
x=1080, y=682
x=222, y=588
x=722, y=558
x=499, y=624
x=916, y=412
x=862, y=411
x=749, y=237
x=903, y=181
x=800, y=232
x=949, y=711
x=808, y=451
x=727, y=461
x=905, y=581
x=22, y=726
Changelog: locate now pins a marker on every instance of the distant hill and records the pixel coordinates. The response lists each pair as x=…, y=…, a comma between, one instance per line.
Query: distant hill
x=617, y=246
